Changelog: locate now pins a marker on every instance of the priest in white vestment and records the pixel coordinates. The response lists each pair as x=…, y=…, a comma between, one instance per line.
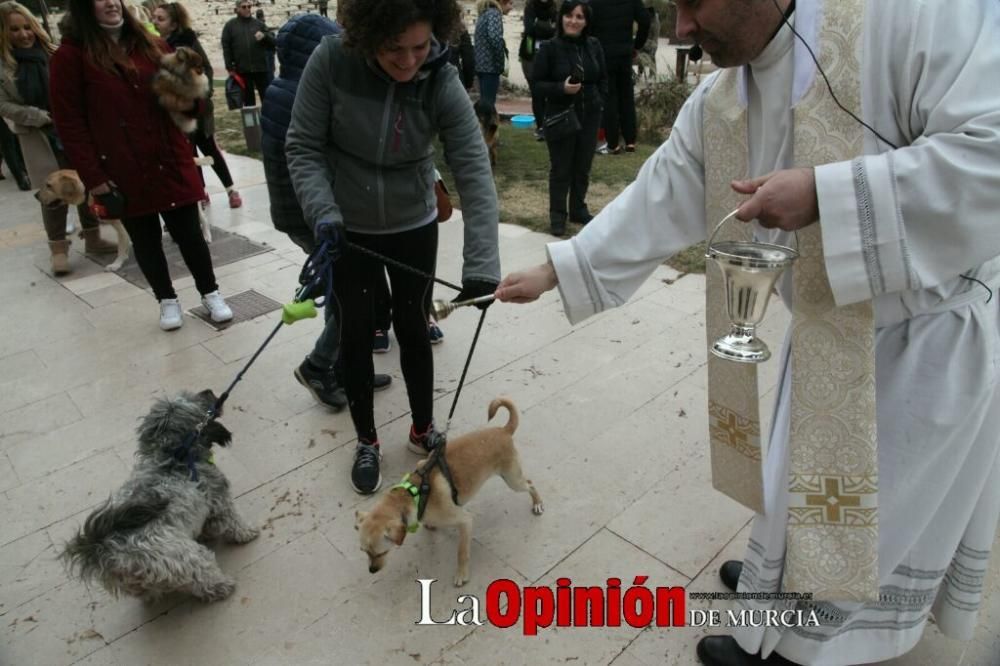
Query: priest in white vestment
x=911, y=225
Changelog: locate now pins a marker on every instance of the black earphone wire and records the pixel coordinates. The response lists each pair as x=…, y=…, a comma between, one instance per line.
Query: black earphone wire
x=871, y=129
x=829, y=87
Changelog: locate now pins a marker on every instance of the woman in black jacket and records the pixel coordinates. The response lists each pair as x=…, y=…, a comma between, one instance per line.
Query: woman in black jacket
x=174, y=25
x=570, y=72
x=539, y=25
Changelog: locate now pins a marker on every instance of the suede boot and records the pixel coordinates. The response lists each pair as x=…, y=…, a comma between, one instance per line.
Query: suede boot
x=60, y=256
x=94, y=244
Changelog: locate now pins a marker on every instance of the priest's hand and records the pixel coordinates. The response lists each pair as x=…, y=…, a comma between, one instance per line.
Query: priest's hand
x=527, y=285
x=780, y=200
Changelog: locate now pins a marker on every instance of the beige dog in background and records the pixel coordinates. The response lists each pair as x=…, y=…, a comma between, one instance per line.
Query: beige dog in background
x=472, y=458
x=65, y=186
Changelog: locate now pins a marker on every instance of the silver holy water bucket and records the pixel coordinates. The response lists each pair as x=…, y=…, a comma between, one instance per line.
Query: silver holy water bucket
x=749, y=273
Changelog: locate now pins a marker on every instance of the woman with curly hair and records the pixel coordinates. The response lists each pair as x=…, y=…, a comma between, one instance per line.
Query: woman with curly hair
x=126, y=147
x=360, y=153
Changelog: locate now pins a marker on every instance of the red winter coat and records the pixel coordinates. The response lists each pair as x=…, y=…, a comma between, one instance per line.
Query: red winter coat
x=113, y=129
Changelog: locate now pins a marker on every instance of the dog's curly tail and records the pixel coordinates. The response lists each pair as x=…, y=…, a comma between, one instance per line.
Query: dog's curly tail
x=512, y=420
x=82, y=554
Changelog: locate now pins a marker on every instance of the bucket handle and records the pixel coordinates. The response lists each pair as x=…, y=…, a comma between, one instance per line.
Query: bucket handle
x=731, y=216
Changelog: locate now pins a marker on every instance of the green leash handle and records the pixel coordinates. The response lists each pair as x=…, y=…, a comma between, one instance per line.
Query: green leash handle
x=298, y=310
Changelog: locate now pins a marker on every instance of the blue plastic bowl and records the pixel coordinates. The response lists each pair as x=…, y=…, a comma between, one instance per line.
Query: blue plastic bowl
x=522, y=121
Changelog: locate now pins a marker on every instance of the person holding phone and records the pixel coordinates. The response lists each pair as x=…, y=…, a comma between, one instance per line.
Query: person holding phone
x=570, y=73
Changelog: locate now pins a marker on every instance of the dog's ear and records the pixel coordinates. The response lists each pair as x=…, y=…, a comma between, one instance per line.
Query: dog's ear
x=216, y=433
x=69, y=189
x=359, y=517
x=396, y=533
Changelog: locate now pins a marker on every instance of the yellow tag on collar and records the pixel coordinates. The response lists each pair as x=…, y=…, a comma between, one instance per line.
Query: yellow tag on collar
x=210, y=459
x=415, y=492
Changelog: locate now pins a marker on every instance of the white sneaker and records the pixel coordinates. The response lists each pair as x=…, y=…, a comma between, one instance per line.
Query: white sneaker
x=216, y=306
x=171, y=317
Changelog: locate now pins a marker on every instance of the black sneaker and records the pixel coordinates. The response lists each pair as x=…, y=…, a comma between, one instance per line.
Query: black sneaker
x=434, y=332
x=322, y=384
x=381, y=382
x=365, y=475
x=425, y=442
x=381, y=344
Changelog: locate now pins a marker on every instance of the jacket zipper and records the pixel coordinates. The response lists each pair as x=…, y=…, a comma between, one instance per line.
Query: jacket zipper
x=387, y=126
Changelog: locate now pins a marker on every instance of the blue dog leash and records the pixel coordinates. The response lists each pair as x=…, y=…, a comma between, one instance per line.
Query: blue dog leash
x=316, y=274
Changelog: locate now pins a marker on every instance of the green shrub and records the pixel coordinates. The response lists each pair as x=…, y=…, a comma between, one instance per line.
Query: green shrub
x=657, y=106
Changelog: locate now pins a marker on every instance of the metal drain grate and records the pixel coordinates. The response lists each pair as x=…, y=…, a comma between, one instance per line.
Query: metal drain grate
x=226, y=247
x=245, y=306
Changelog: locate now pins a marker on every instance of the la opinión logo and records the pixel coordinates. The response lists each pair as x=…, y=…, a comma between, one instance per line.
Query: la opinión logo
x=507, y=604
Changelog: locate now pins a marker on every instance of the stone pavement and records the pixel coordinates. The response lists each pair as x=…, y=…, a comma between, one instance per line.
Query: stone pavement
x=612, y=432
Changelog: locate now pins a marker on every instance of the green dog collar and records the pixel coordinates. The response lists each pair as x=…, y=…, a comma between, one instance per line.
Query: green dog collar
x=415, y=492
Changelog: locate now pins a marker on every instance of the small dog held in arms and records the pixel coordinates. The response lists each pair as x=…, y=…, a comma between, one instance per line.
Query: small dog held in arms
x=144, y=541
x=472, y=458
x=180, y=81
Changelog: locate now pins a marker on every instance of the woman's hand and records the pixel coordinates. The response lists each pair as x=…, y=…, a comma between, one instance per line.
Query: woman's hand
x=571, y=88
x=527, y=285
x=780, y=200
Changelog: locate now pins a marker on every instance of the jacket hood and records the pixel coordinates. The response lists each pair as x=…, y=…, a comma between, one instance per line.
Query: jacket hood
x=298, y=38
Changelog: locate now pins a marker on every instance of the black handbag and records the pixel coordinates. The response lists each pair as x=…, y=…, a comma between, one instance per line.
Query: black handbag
x=561, y=124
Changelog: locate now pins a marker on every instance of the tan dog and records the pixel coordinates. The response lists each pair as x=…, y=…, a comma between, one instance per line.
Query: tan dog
x=489, y=123
x=180, y=81
x=65, y=186
x=472, y=458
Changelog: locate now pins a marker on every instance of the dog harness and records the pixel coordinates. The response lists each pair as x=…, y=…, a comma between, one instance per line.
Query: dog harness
x=415, y=492
x=421, y=493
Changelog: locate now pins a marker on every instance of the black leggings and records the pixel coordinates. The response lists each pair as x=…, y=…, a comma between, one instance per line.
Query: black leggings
x=209, y=148
x=184, y=226
x=356, y=284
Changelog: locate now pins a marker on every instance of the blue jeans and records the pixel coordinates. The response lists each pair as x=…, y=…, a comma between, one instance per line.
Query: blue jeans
x=489, y=86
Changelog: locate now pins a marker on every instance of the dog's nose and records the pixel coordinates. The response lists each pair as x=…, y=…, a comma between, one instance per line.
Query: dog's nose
x=373, y=569
x=36, y=195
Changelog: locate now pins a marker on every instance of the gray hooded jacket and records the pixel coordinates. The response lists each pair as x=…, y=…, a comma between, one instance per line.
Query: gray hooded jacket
x=360, y=150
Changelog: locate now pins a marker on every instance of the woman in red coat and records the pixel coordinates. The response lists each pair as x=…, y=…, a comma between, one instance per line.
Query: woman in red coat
x=121, y=141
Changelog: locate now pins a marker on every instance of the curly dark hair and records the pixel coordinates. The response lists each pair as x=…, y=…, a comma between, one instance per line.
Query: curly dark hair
x=371, y=24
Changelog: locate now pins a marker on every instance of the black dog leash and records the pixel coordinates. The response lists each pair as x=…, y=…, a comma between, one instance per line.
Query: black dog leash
x=317, y=273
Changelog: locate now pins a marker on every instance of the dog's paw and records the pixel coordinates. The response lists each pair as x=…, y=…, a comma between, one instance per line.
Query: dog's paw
x=244, y=535
x=461, y=578
x=218, y=591
x=538, y=508
x=114, y=266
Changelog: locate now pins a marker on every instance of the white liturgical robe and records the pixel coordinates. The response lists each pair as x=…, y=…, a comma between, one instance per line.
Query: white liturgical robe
x=900, y=227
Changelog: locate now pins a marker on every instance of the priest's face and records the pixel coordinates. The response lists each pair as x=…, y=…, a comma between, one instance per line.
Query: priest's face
x=732, y=32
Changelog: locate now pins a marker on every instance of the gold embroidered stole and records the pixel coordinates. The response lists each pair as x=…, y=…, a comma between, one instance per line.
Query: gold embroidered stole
x=733, y=402
x=832, y=530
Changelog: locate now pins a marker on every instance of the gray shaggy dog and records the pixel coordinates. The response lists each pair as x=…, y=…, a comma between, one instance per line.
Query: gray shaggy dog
x=144, y=541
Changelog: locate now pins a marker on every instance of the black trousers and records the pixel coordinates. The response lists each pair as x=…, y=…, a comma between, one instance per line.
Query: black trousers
x=209, y=148
x=569, y=169
x=258, y=80
x=147, y=244
x=619, y=111
x=10, y=150
x=356, y=284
